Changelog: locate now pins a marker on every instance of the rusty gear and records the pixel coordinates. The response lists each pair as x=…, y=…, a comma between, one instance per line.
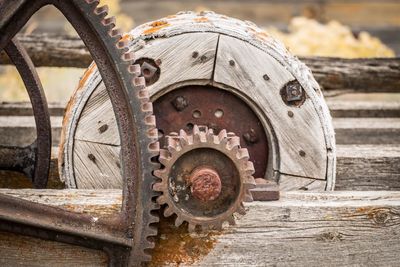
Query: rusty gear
x=205, y=178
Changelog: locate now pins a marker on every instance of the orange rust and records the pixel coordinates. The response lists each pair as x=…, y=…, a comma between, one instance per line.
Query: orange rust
x=158, y=23
x=126, y=36
x=155, y=28
x=201, y=19
x=176, y=246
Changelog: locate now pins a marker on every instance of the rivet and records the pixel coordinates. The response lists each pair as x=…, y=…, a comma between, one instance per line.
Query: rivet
x=266, y=77
x=92, y=157
x=302, y=153
x=103, y=128
x=195, y=54
x=203, y=58
x=180, y=103
x=231, y=62
x=290, y=114
x=250, y=137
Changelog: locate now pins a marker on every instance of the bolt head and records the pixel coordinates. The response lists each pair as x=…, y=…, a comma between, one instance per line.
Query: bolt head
x=205, y=184
x=180, y=103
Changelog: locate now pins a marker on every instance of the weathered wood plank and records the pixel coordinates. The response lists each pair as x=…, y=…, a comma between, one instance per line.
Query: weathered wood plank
x=368, y=167
x=337, y=228
x=338, y=108
x=364, y=109
x=367, y=130
x=21, y=130
x=25, y=108
x=352, y=75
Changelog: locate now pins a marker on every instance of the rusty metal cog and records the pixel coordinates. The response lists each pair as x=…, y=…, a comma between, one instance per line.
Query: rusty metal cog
x=205, y=179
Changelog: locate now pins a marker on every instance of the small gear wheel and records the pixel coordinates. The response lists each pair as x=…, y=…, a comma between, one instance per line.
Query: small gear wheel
x=205, y=179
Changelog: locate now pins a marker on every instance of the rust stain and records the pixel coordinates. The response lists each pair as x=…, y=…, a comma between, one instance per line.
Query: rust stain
x=379, y=216
x=175, y=246
x=201, y=19
x=155, y=27
x=127, y=36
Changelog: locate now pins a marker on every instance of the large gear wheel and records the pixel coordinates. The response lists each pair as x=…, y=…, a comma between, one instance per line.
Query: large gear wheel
x=205, y=179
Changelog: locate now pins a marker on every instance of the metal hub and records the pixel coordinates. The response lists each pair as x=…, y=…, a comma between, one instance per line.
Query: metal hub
x=205, y=178
x=217, y=109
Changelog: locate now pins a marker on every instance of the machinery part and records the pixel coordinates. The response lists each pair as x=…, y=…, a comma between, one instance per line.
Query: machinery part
x=216, y=109
x=209, y=62
x=205, y=178
x=127, y=238
x=33, y=160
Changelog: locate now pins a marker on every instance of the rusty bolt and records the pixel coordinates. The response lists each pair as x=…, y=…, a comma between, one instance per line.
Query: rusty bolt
x=250, y=137
x=148, y=70
x=92, y=157
x=290, y=114
x=103, y=128
x=231, y=62
x=180, y=103
x=203, y=58
x=195, y=54
x=302, y=153
x=266, y=77
x=205, y=184
x=294, y=91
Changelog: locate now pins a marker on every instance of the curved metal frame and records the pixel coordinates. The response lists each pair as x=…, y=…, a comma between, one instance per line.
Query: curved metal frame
x=124, y=238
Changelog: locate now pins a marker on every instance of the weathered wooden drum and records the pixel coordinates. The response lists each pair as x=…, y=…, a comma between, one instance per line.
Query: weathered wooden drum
x=223, y=73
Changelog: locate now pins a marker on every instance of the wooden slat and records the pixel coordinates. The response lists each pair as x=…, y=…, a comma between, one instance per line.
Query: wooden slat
x=20, y=130
x=363, y=109
x=359, y=167
x=302, y=229
x=351, y=75
x=368, y=167
x=338, y=108
x=367, y=130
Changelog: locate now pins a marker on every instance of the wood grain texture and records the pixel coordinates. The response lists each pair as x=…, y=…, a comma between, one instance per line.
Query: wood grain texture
x=368, y=167
x=338, y=228
x=246, y=78
x=349, y=75
x=364, y=109
x=367, y=130
x=96, y=165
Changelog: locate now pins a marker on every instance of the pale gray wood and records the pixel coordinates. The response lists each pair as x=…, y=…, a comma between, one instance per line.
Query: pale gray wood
x=368, y=167
x=21, y=130
x=301, y=229
x=97, y=121
x=25, y=108
x=363, y=109
x=367, y=130
x=292, y=183
x=304, y=131
x=96, y=165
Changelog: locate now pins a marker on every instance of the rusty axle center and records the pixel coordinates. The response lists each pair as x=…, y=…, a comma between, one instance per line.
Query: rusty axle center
x=205, y=183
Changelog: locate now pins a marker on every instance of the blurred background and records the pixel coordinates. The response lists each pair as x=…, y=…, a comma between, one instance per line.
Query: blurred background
x=349, y=29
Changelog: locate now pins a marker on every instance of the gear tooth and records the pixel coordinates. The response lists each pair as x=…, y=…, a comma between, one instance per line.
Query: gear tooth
x=109, y=22
x=183, y=138
x=249, y=169
x=172, y=145
x=152, y=133
x=168, y=211
x=128, y=56
x=233, y=143
x=150, y=120
x=223, y=137
x=178, y=221
x=241, y=209
x=231, y=220
x=243, y=154
x=147, y=107
x=164, y=157
x=191, y=227
x=135, y=70
x=123, y=43
x=101, y=11
x=162, y=200
x=152, y=231
x=154, y=147
x=210, y=135
x=196, y=133
x=159, y=187
x=93, y=2
x=115, y=33
x=139, y=83
x=144, y=94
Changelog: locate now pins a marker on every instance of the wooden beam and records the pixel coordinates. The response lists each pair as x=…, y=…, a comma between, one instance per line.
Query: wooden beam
x=368, y=167
x=302, y=229
x=367, y=130
x=359, y=167
x=352, y=75
x=20, y=130
x=338, y=108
